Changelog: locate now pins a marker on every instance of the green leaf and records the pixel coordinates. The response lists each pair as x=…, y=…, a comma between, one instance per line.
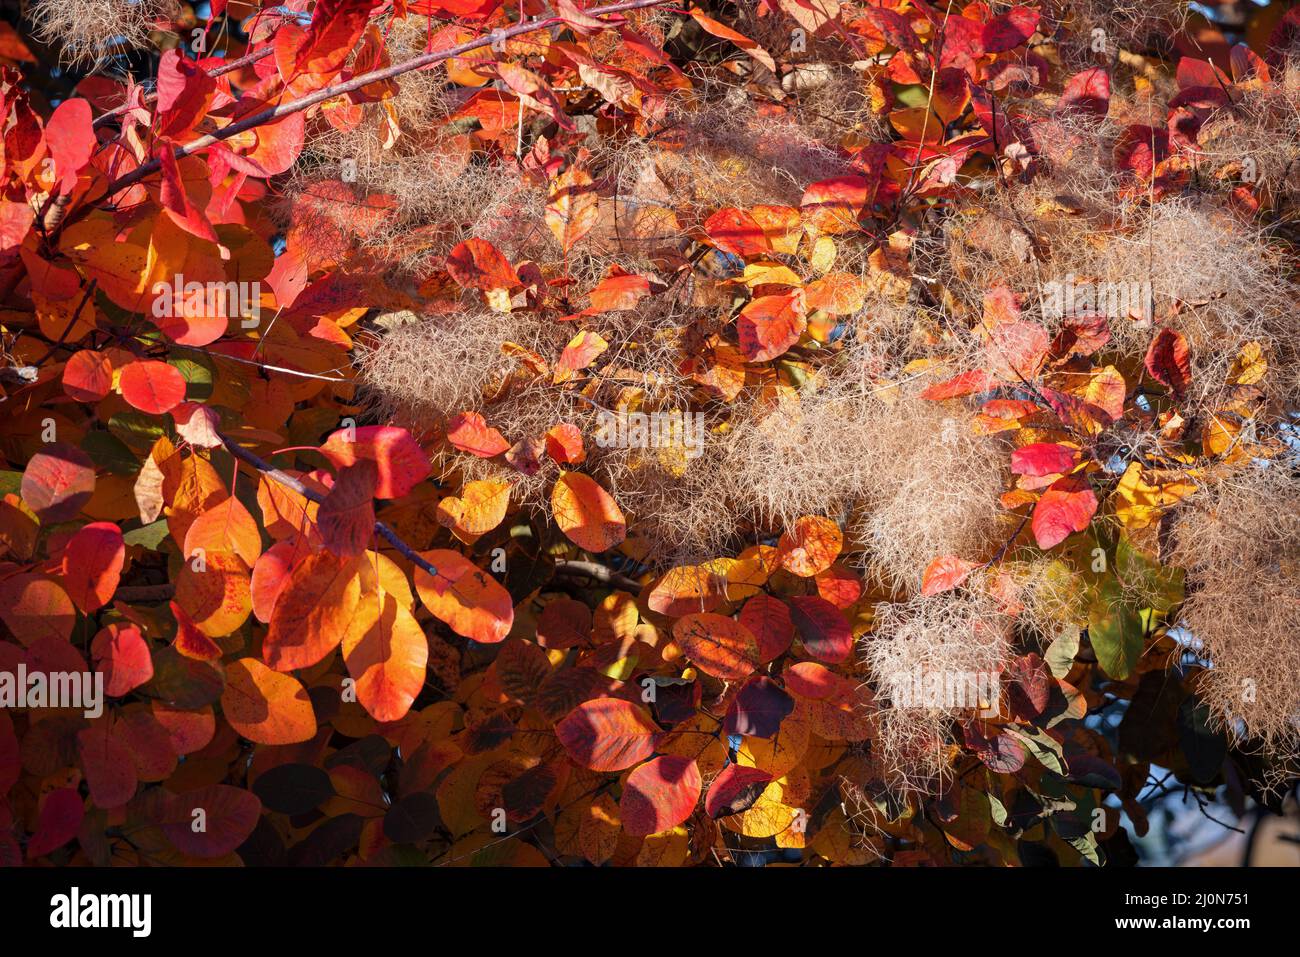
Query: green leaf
x=1159, y=587
x=150, y=536
x=109, y=452
x=136, y=430
x=1115, y=630
x=1062, y=651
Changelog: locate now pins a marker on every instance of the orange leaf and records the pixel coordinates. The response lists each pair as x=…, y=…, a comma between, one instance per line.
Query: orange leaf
x=88, y=376
x=465, y=597
x=944, y=573
x=608, y=734
x=477, y=264
x=718, y=645
x=214, y=592
x=582, y=350
x=724, y=32
x=586, y=513
x=811, y=546
x=92, y=565
x=735, y=231
x=572, y=209
x=564, y=444
x=226, y=527
x=469, y=432
x=769, y=325
x=313, y=612
x=386, y=652
x=35, y=607
x=266, y=707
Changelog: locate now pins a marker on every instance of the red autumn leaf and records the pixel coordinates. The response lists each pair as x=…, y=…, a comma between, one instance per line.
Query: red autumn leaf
x=71, y=139
x=564, y=444
x=151, y=386
x=122, y=654
x=346, y=518
x=57, y=823
x=1043, y=458
x=618, y=293
x=58, y=482
x=833, y=205
x=564, y=623
x=945, y=573
x=189, y=641
x=768, y=619
x=735, y=790
x=229, y=815
x=608, y=734
x=1169, y=361
x=735, y=231
x=92, y=565
x=822, y=629
x=269, y=577
x=185, y=92
x=964, y=383
x=1087, y=91
x=477, y=264
x=401, y=462
x=769, y=325
x=1065, y=508
x=109, y=766
x=1009, y=30
x=88, y=376
x=659, y=795
x=469, y=432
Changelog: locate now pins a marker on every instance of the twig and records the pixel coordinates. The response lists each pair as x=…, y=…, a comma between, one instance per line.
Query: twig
x=597, y=572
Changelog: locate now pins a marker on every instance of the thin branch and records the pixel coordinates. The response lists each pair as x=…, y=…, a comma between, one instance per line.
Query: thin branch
x=598, y=573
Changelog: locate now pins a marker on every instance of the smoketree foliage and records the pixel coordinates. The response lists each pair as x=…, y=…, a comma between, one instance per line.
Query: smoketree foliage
x=532, y=433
